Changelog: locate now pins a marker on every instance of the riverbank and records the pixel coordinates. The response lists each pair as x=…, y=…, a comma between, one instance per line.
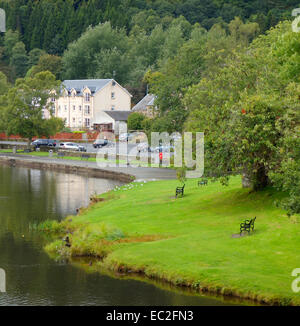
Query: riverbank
x=188, y=241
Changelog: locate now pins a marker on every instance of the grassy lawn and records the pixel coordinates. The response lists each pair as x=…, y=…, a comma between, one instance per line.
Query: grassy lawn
x=188, y=241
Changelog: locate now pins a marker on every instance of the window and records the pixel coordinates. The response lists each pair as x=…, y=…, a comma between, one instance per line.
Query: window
x=79, y=107
x=52, y=99
x=74, y=120
x=87, y=97
x=87, y=122
x=113, y=95
x=113, y=107
x=86, y=109
x=66, y=108
x=74, y=107
x=59, y=108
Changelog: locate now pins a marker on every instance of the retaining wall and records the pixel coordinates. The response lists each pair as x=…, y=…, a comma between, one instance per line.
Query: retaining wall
x=67, y=168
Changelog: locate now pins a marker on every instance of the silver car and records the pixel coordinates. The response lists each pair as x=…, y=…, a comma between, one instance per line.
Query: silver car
x=72, y=147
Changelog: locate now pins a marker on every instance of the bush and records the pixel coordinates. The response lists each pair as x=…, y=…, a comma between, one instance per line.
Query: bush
x=135, y=121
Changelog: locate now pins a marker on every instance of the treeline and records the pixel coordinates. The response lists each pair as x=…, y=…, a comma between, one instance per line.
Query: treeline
x=52, y=24
x=49, y=27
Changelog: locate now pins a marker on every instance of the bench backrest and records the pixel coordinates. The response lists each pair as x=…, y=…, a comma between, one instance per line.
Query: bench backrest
x=252, y=220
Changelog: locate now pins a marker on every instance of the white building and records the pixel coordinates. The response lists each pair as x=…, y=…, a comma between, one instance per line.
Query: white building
x=93, y=104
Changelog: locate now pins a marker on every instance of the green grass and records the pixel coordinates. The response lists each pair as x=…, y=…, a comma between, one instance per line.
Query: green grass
x=187, y=241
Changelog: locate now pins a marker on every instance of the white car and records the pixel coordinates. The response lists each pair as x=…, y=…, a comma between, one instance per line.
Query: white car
x=164, y=149
x=72, y=147
x=125, y=136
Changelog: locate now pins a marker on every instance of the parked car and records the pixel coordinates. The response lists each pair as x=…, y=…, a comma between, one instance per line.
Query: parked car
x=125, y=136
x=165, y=149
x=98, y=143
x=44, y=143
x=72, y=147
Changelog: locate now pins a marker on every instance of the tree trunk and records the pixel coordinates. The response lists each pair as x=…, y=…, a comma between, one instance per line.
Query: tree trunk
x=260, y=179
x=255, y=181
x=246, y=180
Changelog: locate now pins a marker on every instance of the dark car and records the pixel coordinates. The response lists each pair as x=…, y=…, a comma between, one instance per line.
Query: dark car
x=44, y=143
x=98, y=143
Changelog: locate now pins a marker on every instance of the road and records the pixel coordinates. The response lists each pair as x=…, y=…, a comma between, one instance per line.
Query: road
x=120, y=148
x=140, y=173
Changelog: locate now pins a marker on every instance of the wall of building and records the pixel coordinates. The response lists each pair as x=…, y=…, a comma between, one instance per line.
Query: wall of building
x=72, y=109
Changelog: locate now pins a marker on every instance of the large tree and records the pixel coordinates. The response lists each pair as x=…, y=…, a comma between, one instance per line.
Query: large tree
x=248, y=111
x=22, y=108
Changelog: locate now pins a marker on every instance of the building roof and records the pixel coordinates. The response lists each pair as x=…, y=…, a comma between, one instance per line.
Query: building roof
x=148, y=100
x=119, y=115
x=94, y=85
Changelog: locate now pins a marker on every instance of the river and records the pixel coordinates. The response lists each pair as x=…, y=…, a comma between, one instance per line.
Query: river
x=30, y=196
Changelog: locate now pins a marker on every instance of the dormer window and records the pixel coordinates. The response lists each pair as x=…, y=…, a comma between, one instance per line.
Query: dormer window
x=73, y=92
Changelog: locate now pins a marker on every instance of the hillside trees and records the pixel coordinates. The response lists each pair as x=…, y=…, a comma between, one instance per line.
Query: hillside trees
x=203, y=54
x=40, y=22
x=80, y=58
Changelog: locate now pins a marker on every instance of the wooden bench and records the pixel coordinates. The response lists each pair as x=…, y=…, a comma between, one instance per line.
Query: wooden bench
x=247, y=225
x=203, y=182
x=85, y=156
x=60, y=154
x=180, y=191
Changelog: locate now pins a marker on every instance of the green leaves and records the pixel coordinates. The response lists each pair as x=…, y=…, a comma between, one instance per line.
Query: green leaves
x=22, y=108
x=249, y=111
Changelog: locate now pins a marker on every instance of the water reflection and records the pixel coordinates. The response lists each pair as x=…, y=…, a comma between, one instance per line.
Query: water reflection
x=30, y=196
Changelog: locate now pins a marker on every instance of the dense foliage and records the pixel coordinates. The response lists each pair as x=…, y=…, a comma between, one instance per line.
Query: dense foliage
x=52, y=24
x=249, y=111
x=22, y=107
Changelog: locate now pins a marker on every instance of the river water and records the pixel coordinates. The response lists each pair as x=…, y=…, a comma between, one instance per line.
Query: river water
x=30, y=196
